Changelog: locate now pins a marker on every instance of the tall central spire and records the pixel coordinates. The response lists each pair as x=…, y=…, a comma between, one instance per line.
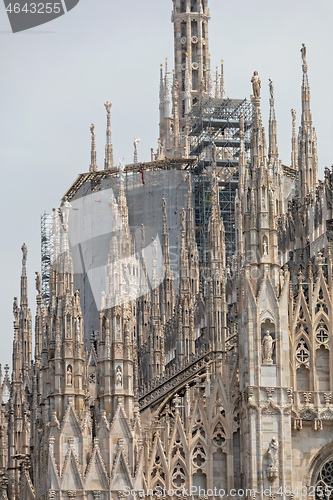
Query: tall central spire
x=190, y=18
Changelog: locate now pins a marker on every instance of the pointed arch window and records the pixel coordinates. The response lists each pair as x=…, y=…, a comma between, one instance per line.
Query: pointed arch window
x=324, y=482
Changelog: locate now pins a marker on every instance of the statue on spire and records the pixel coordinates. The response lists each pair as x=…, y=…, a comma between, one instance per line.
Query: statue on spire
x=256, y=84
x=136, y=145
x=38, y=283
x=108, y=107
x=303, y=53
x=271, y=88
x=24, y=253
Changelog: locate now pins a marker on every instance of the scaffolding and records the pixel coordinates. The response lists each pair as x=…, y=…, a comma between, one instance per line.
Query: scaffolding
x=215, y=142
x=46, y=253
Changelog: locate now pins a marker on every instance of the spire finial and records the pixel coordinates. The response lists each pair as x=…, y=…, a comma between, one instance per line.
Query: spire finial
x=93, y=165
x=108, y=162
x=273, y=149
x=136, y=145
x=294, y=149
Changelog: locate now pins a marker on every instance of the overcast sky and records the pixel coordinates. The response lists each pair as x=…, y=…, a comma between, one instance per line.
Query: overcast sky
x=56, y=78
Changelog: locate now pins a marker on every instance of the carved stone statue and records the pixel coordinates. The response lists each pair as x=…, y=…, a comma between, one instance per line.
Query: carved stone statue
x=15, y=309
x=272, y=453
x=293, y=114
x=265, y=246
x=92, y=130
x=303, y=54
x=69, y=375
x=107, y=107
x=267, y=348
x=136, y=145
x=25, y=253
x=66, y=206
x=256, y=84
x=122, y=171
x=271, y=88
x=38, y=283
x=119, y=376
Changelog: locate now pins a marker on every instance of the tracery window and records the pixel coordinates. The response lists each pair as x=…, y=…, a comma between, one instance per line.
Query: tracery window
x=324, y=482
x=322, y=333
x=178, y=476
x=302, y=353
x=321, y=304
x=158, y=470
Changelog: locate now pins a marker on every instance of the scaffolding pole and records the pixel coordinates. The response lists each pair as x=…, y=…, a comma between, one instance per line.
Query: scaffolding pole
x=215, y=142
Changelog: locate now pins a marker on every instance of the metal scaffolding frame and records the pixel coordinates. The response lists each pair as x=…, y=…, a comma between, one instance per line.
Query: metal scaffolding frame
x=46, y=223
x=215, y=142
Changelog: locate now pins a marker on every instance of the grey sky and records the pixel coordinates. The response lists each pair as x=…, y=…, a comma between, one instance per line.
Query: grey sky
x=56, y=78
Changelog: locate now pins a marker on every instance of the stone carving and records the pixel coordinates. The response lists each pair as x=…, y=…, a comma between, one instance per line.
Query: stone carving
x=69, y=375
x=265, y=246
x=38, y=283
x=271, y=89
x=119, y=376
x=25, y=253
x=272, y=455
x=303, y=54
x=66, y=206
x=16, y=309
x=136, y=145
x=108, y=107
x=267, y=349
x=256, y=84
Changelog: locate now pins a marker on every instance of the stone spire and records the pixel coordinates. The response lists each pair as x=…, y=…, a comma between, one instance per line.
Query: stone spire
x=222, y=84
x=273, y=152
x=307, y=139
x=176, y=124
x=166, y=91
x=258, y=140
x=209, y=83
x=217, y=85
x=162, y=106
x=191, y=243
x=24, y=280
x=108, y=162
x=294, y=148
x=93, y=164
x=168, y=291
x=183, y=261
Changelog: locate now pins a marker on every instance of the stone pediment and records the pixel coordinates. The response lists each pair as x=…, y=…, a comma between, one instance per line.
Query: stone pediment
x=308, y=414
x=326, y=414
